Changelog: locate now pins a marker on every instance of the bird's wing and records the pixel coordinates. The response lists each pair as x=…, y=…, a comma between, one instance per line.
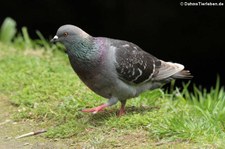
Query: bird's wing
x=133, y=65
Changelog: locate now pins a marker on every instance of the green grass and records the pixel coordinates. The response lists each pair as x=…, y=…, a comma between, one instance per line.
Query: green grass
x=8, y=30
x=43, y=87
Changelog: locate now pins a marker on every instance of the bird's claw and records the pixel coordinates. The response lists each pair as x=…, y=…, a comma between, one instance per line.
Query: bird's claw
x=96, y=109
x=121, y=113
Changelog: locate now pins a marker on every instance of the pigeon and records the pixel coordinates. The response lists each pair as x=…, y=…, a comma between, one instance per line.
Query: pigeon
x=115, y=69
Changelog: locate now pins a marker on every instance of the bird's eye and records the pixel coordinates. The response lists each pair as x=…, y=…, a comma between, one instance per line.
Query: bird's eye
x=65, y=34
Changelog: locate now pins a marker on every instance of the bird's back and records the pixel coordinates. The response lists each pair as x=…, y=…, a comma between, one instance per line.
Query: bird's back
x=123, y=69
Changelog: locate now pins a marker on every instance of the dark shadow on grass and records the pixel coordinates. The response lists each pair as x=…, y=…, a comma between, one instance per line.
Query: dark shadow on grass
x=140, y=109
x=100, y=118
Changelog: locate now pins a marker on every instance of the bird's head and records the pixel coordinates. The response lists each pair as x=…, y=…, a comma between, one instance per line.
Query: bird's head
x=68, y=34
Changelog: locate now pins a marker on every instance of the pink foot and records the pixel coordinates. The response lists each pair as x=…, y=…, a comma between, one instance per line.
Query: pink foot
x=122, y=111
x=96, y=109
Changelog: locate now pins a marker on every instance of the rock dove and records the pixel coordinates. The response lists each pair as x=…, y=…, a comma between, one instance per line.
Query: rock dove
x=115, y=69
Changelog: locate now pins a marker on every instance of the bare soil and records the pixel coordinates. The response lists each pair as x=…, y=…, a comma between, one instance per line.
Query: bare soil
x=10, y=129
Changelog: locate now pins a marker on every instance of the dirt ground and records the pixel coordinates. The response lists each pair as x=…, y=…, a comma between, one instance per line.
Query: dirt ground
x=9, y=130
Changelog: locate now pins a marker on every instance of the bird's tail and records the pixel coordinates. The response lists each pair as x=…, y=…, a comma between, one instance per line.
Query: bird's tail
x=183, y=74
x=169, y=70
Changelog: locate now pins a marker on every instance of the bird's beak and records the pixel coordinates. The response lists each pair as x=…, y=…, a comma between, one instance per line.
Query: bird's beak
x=54, y=39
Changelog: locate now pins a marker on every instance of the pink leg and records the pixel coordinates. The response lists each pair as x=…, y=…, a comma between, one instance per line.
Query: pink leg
x=96, y=109
x=122, y=109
